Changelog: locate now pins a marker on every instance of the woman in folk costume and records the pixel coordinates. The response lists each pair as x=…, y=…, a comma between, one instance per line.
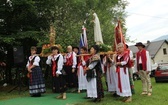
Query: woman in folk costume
x=143, y=67
x=110, y=73
x=81, y=74
x=122, y=60
x=94, y=73
x=36, y=81
x=56, y=62
x=70, y=62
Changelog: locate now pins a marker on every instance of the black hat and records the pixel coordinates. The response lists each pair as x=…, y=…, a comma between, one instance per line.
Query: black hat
x=140, y=44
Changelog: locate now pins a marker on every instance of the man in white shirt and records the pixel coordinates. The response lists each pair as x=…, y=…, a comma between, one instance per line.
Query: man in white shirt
x=143, y=66
x=70, y=62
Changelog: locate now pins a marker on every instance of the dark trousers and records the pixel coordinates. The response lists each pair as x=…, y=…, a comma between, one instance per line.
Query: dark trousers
x=71, y=78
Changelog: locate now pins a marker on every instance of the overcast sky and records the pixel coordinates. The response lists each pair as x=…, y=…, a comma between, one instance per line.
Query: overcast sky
x=147, y=19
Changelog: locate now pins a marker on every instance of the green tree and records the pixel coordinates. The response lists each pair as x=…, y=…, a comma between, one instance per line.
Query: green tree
x=27, y=22
x=31, y=19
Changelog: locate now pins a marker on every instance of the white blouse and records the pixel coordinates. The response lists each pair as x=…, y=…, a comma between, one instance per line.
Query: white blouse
x=68, y=55
x=148, y=62
x=36, y=60
x=59, y=64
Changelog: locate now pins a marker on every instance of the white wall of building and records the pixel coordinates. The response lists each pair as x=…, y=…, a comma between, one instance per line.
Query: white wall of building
x=160, y=56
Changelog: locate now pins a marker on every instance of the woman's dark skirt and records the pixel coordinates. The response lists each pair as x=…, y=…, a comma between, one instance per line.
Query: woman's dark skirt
x=36, y=82
x=100, y=91
x=59, y=84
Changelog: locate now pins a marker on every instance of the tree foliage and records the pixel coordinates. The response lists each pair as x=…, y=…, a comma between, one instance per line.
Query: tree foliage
x=23, y=19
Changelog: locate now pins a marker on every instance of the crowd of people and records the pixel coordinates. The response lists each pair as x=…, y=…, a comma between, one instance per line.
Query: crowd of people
x=84, y=71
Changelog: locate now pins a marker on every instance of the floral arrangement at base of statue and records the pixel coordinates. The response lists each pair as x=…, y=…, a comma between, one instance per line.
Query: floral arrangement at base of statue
x=105, y=49
x=46, y=49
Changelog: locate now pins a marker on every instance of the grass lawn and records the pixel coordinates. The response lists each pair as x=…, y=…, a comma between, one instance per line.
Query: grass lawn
x=158, y=97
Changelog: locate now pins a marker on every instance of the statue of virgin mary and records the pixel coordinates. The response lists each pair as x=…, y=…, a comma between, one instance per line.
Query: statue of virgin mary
x=97, y=30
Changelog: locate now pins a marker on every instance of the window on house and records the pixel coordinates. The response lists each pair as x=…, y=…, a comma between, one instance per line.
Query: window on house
x=164, y=51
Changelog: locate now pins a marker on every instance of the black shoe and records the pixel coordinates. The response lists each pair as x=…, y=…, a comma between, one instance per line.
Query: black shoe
x=115, y=95
x=36, y=95
x=87, y=98
x=97, y=100
x=39, y=95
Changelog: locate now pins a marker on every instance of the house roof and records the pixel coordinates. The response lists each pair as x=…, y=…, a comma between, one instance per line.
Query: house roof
x=152, y=47
x=164, y=37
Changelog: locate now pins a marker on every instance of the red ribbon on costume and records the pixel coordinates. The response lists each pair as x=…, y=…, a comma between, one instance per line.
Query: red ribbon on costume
x=123, y=57
x=69, y=60
x=119, y=79
x=30, y=76
x=54, y=66
x=105, y=68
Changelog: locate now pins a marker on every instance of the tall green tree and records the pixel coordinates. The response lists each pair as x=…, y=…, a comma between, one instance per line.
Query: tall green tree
x=31, y=19
x=27, y=22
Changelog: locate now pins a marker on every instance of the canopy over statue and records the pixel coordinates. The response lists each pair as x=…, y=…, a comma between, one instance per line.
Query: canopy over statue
x=97, y=30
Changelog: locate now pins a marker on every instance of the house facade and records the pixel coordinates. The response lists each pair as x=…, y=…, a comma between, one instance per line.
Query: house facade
x=162, y=54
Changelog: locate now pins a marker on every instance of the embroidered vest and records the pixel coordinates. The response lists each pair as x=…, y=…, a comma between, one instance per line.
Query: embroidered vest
x=31, y=61
x=54, y=66
x=69, y=60
x=142, y=54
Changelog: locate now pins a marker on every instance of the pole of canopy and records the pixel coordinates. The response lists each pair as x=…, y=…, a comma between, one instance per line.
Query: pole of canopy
x=52, y=35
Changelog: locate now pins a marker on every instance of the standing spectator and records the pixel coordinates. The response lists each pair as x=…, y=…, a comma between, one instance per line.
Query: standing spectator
x=36, y=81
x=143, y=66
